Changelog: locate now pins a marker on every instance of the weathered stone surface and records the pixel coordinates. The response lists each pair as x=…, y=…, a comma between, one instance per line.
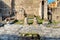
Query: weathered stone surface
x=30, y=6
x=42, y=30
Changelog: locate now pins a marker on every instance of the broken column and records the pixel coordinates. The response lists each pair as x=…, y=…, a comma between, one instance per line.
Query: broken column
x=20, y=14
x=45, y=10
x=40, y=9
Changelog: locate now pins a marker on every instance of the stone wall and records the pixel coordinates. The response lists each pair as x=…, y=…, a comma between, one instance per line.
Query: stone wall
x=7, y=2
x=5, y=6
x=30, y=6
x=56, y=13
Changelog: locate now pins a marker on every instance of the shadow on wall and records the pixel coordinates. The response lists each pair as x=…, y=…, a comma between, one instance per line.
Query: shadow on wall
x=4, y=9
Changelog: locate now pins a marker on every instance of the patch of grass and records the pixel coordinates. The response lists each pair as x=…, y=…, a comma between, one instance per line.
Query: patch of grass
x=30, y=21
x=20, y=22
x=54, y=22
x=39, y=21
x=29, y=34
x=56, y=27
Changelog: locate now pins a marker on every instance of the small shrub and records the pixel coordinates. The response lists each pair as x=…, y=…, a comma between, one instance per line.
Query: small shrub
x=30, y=21
x=54, y=22
x=20, y=22
x=39, y=21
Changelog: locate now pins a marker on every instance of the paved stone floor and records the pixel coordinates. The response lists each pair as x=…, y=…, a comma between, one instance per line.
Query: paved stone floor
x=44, y=31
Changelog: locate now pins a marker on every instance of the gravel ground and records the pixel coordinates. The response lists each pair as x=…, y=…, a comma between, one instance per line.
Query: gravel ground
x=41, y=29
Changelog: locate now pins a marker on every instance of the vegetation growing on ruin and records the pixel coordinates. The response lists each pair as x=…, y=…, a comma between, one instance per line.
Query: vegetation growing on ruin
x=20, y=22
x=30, y=21
x=39, y=21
